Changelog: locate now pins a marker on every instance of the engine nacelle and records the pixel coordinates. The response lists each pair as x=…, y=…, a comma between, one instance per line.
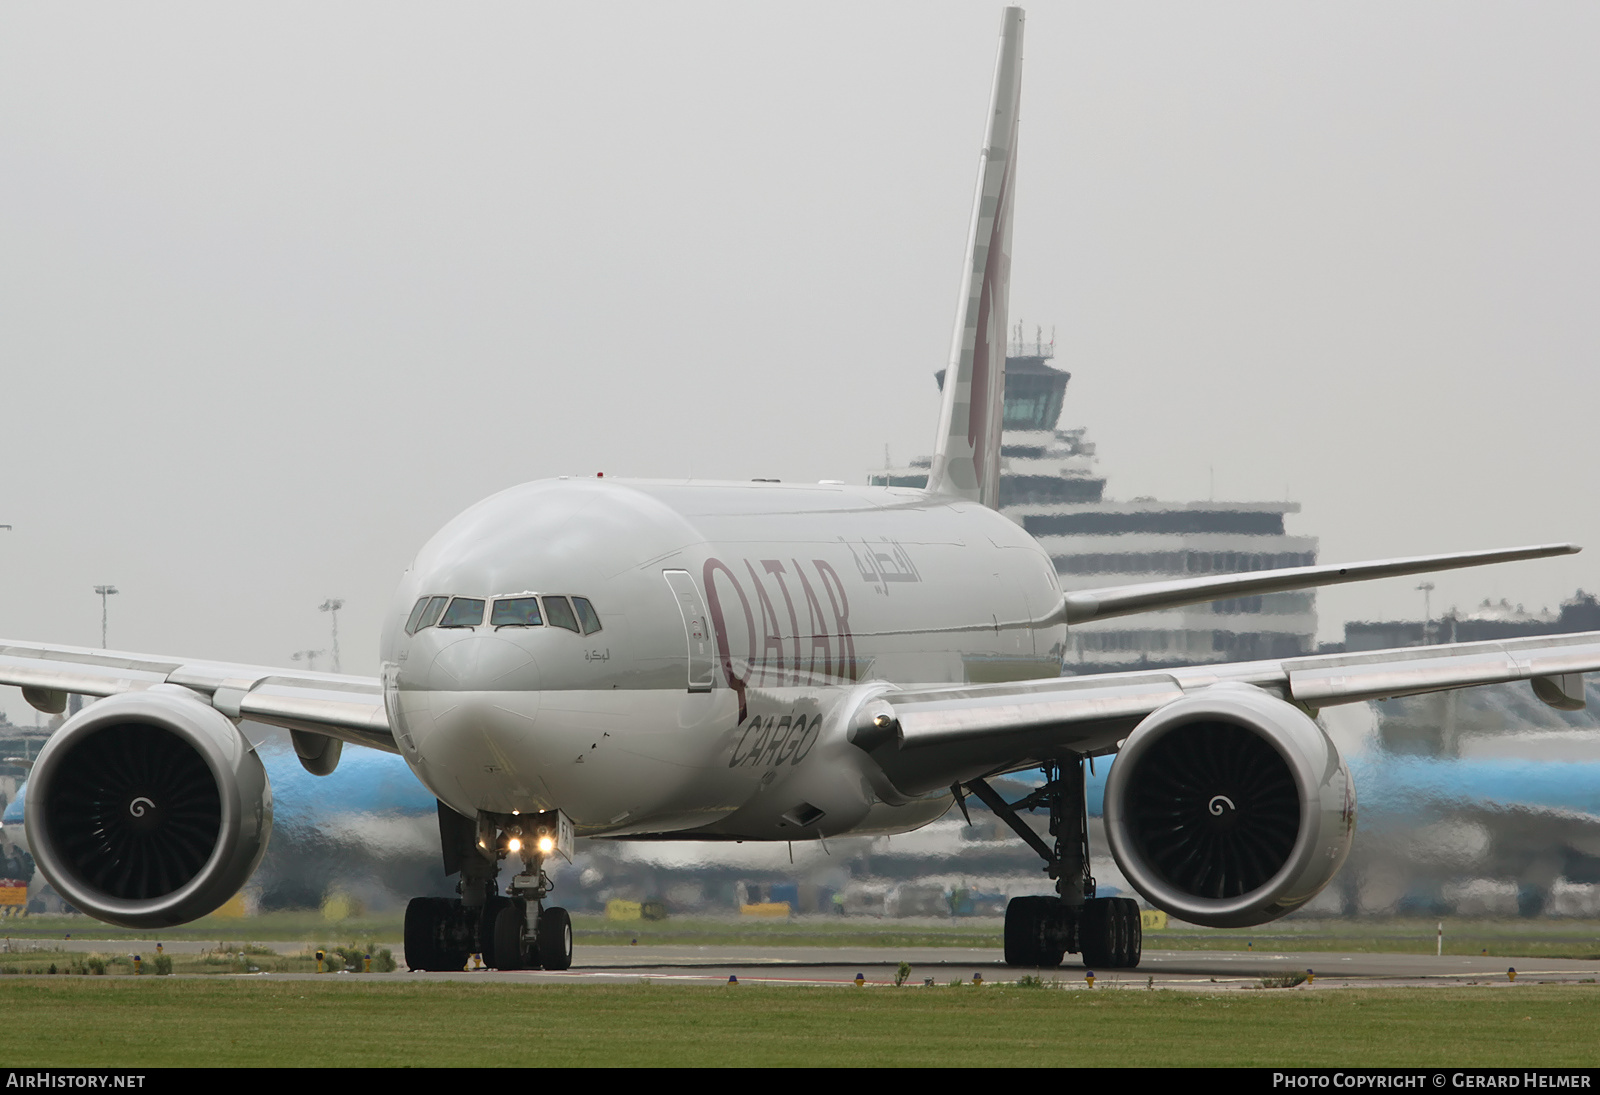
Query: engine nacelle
x=148, y=809
x=1229, y=807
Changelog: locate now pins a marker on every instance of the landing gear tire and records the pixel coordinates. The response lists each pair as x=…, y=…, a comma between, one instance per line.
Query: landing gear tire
x=1135, y=937
x=554, y=943
x=435, y=936
x=486, y=937
x=1035, y=932
x=1112, y=933
x=509, y=952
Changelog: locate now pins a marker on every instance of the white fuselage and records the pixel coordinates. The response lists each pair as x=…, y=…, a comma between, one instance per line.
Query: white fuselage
x=740, y=625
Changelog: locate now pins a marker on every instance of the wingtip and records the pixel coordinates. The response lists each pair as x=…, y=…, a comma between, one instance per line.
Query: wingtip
x=1544, y=551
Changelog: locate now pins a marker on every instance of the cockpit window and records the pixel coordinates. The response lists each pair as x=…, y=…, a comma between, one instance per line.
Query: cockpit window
x=430, y=612
x=586, y=615
x=463, y=612
x=559, y=613
x=516, y=612
x=416, y=615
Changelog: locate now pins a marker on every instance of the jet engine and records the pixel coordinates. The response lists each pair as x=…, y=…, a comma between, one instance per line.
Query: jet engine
x=1229, y=807
x=148, y=809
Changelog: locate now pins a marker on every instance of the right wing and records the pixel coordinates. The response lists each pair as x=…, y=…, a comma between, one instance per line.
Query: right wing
x=1100, y=604
x=347, y=708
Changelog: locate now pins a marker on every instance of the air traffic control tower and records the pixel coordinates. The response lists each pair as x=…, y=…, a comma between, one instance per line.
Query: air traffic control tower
x=1050, y=485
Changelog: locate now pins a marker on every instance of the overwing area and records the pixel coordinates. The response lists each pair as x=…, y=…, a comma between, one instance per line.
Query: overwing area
x=346, y=708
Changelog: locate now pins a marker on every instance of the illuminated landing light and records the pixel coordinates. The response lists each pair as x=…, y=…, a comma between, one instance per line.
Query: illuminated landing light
x=547, y=844
x=513, y=845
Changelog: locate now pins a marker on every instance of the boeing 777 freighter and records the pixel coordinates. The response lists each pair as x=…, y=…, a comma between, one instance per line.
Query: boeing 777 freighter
x=755, y=661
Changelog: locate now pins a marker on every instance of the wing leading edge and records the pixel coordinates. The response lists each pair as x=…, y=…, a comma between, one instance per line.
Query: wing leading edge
x=1100, y=604
x=347, y=708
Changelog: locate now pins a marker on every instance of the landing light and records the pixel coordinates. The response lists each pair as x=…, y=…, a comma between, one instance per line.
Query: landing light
x=547, y=844
x=513, y=845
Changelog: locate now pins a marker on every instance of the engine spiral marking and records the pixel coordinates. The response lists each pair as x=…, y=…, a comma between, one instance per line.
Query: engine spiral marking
x=1217, y=802
x=136, y=810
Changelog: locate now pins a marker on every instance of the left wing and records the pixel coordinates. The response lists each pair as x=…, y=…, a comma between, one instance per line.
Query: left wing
x=331, y=705
x=924, y=734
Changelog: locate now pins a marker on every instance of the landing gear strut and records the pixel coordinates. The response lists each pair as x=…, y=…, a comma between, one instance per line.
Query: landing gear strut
x=525, y=934
x=1041, y=930
x=510, y=931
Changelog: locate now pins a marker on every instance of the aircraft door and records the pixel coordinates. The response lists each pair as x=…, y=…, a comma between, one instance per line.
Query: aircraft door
x=696, y=629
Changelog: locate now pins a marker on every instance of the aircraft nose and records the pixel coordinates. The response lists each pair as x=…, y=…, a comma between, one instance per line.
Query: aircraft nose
x=483, y=663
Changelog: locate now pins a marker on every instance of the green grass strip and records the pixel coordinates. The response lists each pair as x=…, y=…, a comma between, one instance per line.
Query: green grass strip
x=132, y=1022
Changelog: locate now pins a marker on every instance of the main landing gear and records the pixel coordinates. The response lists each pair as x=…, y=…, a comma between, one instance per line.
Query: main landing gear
x=1040, y=931
x=510, y=931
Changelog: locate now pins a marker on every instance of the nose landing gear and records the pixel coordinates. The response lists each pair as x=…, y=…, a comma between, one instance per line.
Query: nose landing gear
x=510, y=931
x=1040, y=931
x=523, y=934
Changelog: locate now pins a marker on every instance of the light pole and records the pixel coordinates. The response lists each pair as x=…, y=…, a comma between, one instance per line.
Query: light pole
x=332, y=606
x=1427, y=611
x=105, y=592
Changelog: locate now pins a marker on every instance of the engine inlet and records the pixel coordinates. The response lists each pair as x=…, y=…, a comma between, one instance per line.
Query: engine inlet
x=1229, y=807
x=148, y=809
x=1214, y=810
x=138, y=808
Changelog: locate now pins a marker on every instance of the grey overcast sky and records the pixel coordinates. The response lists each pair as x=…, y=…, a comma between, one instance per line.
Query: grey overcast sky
x=285, y=286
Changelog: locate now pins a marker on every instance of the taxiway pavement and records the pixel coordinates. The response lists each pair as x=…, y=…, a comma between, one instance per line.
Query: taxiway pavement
x=1195, y=970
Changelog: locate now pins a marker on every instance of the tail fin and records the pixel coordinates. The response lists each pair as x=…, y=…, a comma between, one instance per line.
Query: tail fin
x=966, y=460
